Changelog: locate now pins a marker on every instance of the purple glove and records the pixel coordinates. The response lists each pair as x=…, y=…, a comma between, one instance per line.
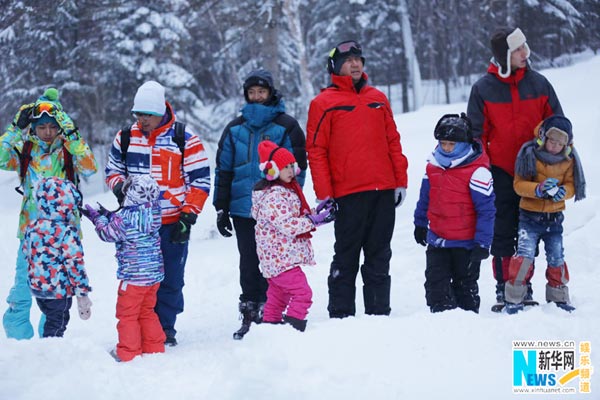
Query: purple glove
x=327, y=202
x=326, y=213
x=103, y=211
x=90, y=213
x=541, y=190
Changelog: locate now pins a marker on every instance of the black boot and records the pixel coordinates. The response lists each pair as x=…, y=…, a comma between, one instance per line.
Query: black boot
x=250, y=311
x=500, y=301
x=298, y=324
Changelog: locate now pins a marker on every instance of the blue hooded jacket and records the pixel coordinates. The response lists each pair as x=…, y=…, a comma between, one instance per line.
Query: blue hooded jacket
x=237, y=161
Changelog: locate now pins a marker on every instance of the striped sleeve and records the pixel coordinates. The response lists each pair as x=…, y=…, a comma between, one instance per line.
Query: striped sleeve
x=482, y=194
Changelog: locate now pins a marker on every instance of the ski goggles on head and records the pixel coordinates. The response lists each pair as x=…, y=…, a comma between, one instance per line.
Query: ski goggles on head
x=350, y=45
x=45, y=107
x=346, y=47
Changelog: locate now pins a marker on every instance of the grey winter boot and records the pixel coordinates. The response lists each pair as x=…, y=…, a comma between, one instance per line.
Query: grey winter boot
x=250, y=311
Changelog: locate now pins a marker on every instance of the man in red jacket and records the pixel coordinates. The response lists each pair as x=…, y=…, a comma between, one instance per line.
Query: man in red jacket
x=355, y=157
x=505, y=106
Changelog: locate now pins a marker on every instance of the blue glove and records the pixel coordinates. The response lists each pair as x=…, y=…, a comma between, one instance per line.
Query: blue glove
x=560, y=194
x=541, y=190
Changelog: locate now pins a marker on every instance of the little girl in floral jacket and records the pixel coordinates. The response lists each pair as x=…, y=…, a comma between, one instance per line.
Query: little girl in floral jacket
x=283, y=225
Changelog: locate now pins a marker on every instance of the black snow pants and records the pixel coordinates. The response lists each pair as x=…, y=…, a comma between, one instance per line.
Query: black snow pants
x=254, y=285
x=451, y=279
x=364, y=221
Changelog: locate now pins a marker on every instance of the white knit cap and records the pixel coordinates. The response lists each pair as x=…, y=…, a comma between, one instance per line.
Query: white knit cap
x=139, y=189
x=150, y=99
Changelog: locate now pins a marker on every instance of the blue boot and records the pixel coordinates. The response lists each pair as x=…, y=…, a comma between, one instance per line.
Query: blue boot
x=513, y=308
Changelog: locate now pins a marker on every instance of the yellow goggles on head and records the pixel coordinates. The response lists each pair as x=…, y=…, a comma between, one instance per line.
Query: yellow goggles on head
x=44, y=107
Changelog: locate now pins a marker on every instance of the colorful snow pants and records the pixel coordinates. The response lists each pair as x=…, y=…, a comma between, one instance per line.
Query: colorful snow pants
x=288, y=292
x=139, y=328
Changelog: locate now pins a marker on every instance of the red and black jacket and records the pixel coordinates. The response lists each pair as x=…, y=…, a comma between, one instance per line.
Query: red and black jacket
x=505, y=112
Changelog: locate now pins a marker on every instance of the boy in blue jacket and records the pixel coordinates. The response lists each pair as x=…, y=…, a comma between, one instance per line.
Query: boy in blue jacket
x=455, y=216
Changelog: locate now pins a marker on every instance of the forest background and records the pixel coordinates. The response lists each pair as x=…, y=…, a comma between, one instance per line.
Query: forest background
x=97, y=52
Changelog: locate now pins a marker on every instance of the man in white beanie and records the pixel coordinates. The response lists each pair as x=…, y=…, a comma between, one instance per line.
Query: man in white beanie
x=505, y=106
x=175, y=157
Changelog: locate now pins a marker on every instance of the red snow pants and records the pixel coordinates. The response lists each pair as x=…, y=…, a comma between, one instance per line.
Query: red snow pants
x=139, y=328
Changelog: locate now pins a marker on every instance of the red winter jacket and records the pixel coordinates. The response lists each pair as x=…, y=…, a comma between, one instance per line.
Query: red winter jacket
x=352, y=141
x=505, y=111
x=451, y=210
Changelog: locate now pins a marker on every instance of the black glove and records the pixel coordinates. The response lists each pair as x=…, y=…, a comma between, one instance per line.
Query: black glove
x=23, y=117
x=118, y=192
x=224, y=223
x=181, y=230
x=479, y=253
x=421, y=235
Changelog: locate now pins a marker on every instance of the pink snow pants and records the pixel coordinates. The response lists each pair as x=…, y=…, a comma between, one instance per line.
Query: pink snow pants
x=290, y=291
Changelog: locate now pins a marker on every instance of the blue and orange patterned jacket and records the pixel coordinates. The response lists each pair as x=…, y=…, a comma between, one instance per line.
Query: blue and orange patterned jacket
x=52, y=244
x=134, y=230
x=156, y=153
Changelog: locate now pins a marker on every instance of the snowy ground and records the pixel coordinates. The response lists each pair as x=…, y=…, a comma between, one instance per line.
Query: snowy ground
x=410, y=354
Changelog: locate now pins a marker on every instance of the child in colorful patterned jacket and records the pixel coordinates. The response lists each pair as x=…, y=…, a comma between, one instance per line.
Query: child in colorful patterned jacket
x=134, y=228
x=52, y=247
x=548, y=171
x=283, y=225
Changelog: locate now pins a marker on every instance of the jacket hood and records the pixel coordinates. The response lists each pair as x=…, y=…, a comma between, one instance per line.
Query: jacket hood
x=345, y=82
x=57, y=199
x=259, y=115
x=516, y=76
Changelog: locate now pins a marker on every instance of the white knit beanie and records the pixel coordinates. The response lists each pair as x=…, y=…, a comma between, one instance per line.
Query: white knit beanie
x=150, y=99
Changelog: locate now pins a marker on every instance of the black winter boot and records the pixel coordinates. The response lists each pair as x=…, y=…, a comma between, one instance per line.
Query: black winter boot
x=298, y=324
x=250, y=311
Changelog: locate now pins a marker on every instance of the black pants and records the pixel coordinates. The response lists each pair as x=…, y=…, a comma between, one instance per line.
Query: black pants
x=57, y=315
x=254, y=285
x=364, y=221
x=451, y=279
x=506, y=223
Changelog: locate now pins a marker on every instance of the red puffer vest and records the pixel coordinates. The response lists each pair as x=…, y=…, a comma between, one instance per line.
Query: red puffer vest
x=451, y=212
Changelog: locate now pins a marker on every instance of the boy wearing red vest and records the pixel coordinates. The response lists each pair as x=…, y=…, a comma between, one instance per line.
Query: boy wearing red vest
x=455, y=216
